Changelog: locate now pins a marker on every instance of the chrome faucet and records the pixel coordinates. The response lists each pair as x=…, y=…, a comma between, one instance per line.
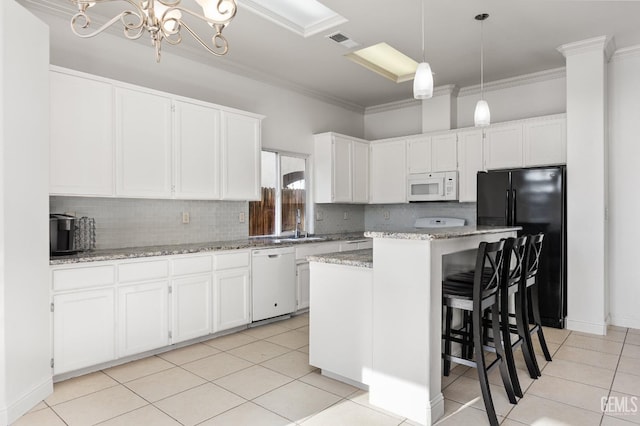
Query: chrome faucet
x=298, y=221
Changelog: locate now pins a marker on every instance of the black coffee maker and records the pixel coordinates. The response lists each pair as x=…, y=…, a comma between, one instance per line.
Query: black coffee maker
x=62, y=230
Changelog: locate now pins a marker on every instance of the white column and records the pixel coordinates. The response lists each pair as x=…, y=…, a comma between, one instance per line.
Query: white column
x=25, y=341
x=587, y=287
x=441, y=111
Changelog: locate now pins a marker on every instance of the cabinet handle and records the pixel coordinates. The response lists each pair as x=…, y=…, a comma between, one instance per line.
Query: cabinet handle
x=273, y=256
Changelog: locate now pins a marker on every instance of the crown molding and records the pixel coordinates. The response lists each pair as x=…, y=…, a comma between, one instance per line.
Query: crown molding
x=626, y=52
x=448, y=89
x=507, y=83
x=62, y=10
x=605, y=44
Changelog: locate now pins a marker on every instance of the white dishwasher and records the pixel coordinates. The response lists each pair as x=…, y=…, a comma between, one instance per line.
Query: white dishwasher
x=273, y=281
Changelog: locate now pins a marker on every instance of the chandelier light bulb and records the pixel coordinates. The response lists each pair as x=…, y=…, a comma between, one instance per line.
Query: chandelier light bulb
x=423, y=82
x=217, y=10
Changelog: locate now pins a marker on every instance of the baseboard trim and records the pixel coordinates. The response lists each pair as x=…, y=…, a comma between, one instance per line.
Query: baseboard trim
x=629, y=322
x=25, y=403
x=587, y=327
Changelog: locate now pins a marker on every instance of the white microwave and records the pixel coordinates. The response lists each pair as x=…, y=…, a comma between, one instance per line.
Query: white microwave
x=439, y=186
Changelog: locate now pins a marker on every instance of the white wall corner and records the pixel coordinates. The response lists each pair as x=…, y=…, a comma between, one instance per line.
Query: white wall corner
x=440, y=112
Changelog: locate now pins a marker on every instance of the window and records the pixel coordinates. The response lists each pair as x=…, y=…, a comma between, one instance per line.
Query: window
x=284, y=196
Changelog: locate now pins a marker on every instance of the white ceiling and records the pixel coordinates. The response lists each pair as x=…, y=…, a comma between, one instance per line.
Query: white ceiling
x=521, y=37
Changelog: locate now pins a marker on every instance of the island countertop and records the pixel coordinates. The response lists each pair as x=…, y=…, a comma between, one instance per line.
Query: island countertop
x=440, y=233
x=359, y=258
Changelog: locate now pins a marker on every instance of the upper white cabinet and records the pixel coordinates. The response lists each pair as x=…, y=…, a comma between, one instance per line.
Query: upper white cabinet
x=469, y=164
x=143, y=144
x=503, y=147
x=426, y=154
x=81, y=152
x=545, y=142
x=388, y=173
x=196, y=151
x=114, y=139
x=341, y=169
x=241, y=145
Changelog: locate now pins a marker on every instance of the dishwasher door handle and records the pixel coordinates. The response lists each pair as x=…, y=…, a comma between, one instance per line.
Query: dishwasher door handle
x=273, y=256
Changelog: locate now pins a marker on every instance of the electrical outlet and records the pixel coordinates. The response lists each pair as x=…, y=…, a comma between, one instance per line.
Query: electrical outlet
x=386, y=215
x=241, y=217
x=345, y=215
x=319, y=216
x=185, y=217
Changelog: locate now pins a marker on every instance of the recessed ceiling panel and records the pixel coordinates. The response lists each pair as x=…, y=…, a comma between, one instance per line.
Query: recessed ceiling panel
x=303, y=17
x=386, y=61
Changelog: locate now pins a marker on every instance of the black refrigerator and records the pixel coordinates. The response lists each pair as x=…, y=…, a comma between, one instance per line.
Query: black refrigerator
x=534, y=199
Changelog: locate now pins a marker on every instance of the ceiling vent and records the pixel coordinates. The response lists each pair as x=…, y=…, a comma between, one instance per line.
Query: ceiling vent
x=343, y=40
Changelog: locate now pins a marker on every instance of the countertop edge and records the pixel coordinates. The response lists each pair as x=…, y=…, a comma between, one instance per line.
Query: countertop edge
x=440, y=234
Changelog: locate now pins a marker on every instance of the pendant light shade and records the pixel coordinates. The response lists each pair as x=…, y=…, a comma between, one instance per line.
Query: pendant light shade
x=482, y=115
x=423, y=82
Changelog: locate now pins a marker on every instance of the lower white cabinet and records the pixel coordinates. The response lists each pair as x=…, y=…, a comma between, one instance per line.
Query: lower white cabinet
x=191, y=307
x=143, y=317
x=232, y=295
x=83, y=329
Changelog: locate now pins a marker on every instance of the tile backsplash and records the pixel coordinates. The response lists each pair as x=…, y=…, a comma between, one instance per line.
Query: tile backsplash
x=332, y=218
x=403, y=216
x=126, y=222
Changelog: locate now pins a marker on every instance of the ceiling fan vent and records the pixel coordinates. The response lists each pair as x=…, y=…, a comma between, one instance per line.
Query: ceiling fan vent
x=343, y=40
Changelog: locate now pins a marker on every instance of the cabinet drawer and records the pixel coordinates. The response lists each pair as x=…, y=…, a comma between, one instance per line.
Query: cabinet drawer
x=140, y=271
x=192, y=265
x=82, y=277
x=231, y=260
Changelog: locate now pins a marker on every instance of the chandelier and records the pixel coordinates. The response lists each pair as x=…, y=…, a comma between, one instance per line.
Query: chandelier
x=162, y=19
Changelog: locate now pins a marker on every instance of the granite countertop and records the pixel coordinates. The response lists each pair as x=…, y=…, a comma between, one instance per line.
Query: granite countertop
x=168, y=250
x=359, y=258
x=440, y=233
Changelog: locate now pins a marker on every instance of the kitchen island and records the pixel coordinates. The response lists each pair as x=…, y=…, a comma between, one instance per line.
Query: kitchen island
x=404, y=319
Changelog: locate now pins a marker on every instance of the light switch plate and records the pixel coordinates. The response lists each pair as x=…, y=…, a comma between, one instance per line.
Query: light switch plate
x=241, y=217
x=185, y=217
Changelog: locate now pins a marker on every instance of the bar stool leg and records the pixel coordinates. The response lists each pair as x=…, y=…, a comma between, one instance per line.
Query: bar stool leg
x=482, y=367
x=447, y=342
x=508, y=348
x=522, y=323
x=536, y=317
x=500, y=351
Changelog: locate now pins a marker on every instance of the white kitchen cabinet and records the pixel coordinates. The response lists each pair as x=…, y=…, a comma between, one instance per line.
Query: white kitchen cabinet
x=83, y=329
x=437, y=153
x=503, y=146
x=196, y=151
x=469, y=164
x=232, y=296
x=241, y=156
x=143, y=317
x=302, y=286
x=545, y=141
x=360, y=177
x=143, y=144
x=191, y=307
x=341, y=169
x=388, y=172
x=81, y=158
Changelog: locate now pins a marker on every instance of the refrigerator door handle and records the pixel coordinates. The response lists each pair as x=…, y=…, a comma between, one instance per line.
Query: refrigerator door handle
x=506, y=208
x=513, y=208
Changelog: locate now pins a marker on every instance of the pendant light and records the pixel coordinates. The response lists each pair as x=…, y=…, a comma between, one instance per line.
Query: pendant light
x=482, y=115
x=423, y=80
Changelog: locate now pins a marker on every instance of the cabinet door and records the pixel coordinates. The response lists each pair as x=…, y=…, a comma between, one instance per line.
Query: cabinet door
x=83, y=329
x=143, y=317
x=143, y=144
x=360, y=172
x=444, y=153
x=545, y=142
x=232, y=299
x=341, y=153
x=503, y=147
x=302, y=286
x=81, y=152
x=388, y=172
x=469, y=164
x=419, y=155
x=240, y=157
x=191, y=305
x=197, y=151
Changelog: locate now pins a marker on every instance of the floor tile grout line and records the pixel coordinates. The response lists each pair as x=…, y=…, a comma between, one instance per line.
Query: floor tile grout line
x=83, y=395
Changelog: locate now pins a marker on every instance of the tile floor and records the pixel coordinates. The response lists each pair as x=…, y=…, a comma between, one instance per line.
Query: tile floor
x=261, y=376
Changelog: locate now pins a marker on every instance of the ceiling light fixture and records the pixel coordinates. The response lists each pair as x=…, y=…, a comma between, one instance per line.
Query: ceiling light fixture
x=162, y=19
x=423, y=80
x=482, y=115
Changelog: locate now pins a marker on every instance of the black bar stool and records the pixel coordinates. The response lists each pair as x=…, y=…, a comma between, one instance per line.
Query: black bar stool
x=529, y=291
x=476, y=299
